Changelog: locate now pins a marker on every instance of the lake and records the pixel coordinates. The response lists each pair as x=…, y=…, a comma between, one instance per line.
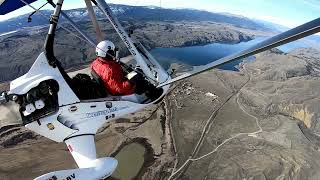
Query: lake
x=201, y=55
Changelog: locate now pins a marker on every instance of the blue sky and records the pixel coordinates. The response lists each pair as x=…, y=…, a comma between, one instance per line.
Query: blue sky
x=289, y=13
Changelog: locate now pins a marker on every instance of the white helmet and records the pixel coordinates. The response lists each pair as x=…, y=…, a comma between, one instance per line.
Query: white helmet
x=103, y=47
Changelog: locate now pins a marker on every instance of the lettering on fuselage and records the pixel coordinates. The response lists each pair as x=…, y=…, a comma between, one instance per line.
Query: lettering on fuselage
x=121, y=32
x=105, y=112
x=53, y=178
x=72, y=176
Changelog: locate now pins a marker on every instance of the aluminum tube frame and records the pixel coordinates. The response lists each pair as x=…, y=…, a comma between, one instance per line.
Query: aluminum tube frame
x=73, y=24
x=104, y=7
x=94, y=20
x=55, y=17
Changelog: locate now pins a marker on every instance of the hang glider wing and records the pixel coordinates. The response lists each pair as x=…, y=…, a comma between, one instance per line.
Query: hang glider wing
x=299, y=32
x=7, y=6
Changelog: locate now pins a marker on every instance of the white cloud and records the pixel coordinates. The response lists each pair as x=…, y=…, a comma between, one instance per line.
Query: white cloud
x=276, y=20
x=313, y=3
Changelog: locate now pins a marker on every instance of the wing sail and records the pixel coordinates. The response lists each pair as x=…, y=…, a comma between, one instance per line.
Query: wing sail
x=299, y=32
x=7, y=6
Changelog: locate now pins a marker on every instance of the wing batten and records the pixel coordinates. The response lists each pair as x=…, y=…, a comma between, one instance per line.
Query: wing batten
x=299, y=32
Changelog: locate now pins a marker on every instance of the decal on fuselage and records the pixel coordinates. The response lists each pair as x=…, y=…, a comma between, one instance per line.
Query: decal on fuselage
x=122, y=34
x=105, y=112
x=70, y=148
x=53, y=178
x=50, y=126
x=72, y=176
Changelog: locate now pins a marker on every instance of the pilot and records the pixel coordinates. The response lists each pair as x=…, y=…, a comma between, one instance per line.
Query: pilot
x=110, y=71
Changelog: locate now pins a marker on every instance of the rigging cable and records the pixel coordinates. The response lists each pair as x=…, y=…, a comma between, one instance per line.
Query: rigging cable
x=45, y=17
x=29, y=17
x=66, y=29
x=74, y=34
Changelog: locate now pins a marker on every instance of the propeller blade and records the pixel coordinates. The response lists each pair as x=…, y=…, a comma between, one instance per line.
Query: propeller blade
x=299, y=32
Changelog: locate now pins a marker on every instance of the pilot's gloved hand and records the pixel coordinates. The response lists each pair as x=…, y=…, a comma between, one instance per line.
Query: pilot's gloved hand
x=136, y=78
x=133, y=77
x=140, y=82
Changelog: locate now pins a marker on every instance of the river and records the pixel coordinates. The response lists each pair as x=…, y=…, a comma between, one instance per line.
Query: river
x=201, y=55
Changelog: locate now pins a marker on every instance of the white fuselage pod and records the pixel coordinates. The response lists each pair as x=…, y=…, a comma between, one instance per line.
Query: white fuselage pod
x=75, y=122
x=82, y=118
x=101, y=168
x=74, y=117
x=39, y=72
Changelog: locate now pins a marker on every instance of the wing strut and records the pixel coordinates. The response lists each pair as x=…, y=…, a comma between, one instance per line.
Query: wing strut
x=299, y=32
x=94, y=20
x=106, y=10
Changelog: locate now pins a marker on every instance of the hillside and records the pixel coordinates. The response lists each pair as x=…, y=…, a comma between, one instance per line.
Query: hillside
x=153, y=26
x=259, y=123
x=136, y=13
x=262, y=124
x=20, y=49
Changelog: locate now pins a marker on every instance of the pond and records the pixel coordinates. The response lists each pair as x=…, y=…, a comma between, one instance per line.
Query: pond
x=131, y=160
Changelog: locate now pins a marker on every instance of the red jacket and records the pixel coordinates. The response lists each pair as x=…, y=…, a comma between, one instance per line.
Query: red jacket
x=113, y=77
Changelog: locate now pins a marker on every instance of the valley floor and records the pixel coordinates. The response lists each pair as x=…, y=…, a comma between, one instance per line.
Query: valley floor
x=259, y=123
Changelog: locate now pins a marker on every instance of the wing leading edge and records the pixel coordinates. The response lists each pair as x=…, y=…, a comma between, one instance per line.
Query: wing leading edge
x=7, y=6
x=299, y=32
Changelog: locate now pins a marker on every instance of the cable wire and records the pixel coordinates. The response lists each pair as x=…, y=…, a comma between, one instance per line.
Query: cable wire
x=45, y=16
x=74, y=34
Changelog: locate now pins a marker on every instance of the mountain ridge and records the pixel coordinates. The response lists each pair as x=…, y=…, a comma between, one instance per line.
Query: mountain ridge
x=138, y=13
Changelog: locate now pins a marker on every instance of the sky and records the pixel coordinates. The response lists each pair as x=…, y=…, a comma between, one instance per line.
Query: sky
x=289, y=13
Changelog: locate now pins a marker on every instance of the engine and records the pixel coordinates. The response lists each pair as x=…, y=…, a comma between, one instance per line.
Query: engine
x=38, y=102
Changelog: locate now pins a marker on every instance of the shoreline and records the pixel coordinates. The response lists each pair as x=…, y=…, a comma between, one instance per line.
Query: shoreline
x=81, y=65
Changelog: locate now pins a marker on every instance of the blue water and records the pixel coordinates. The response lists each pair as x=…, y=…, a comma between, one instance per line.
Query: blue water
x=201, y=55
